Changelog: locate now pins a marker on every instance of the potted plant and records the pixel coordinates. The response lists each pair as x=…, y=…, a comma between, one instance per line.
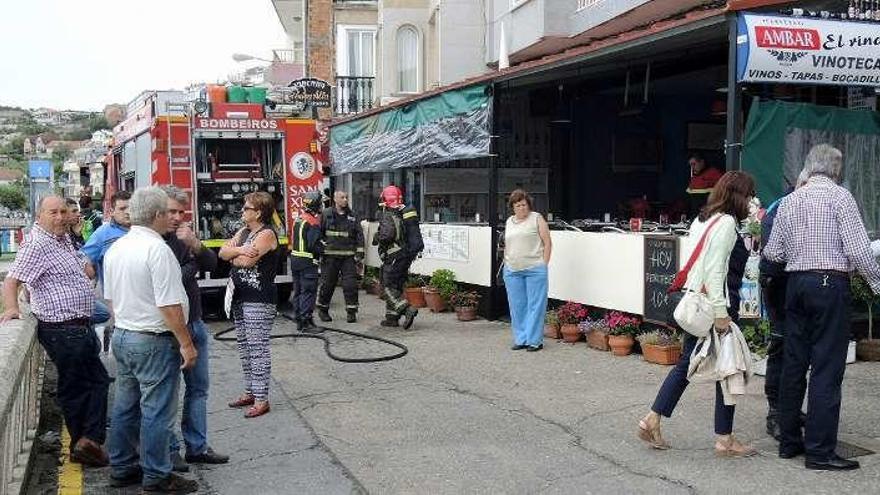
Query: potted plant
x=660, y=347
x=551, y=325
x=414, y=291
x=866, y=349
x=465, y=304
x=622, y=329
x=439, y=289
x=570, y=314
x=597, y=337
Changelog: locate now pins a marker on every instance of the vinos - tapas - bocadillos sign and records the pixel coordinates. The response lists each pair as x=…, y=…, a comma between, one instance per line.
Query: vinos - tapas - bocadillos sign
x=801, y=50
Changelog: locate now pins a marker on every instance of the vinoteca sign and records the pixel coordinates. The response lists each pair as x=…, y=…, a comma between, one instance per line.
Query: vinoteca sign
x=807, y=51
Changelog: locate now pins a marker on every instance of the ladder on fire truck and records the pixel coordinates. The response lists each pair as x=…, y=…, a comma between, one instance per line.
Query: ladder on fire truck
x=180, y=161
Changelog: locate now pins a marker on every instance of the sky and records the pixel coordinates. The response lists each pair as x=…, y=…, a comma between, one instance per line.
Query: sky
x=82, y=55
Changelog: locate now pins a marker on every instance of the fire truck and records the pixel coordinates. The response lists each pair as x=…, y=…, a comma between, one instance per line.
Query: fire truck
x=217, y=152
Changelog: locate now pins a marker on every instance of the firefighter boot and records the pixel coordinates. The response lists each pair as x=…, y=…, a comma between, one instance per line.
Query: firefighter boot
x=391, y=320
x=324, y=315
x=408, y=316
x=352, y=316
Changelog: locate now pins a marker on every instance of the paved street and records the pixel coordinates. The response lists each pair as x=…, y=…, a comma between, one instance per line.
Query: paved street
x=463, y=414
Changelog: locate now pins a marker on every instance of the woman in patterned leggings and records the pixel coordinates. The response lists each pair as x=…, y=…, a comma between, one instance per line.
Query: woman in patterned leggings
x=253, y=253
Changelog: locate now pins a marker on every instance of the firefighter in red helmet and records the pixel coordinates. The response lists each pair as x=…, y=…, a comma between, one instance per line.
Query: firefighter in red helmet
x=400, y=242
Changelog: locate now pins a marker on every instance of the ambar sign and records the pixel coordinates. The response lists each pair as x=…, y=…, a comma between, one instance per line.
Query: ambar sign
x=787, y=38
x=237, y=124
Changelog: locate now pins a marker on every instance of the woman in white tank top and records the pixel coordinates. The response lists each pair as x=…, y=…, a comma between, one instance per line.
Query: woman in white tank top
x=527, y=249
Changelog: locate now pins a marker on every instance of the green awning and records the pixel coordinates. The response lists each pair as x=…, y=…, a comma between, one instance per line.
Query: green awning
x=453, y=125
x=779, y=135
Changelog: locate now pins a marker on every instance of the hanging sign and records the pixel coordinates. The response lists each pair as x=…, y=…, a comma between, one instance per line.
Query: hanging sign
x=773, y=48
x=310, y=91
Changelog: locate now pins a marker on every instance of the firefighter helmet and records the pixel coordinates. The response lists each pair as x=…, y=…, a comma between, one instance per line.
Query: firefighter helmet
x=391, y=197
x=312, y=202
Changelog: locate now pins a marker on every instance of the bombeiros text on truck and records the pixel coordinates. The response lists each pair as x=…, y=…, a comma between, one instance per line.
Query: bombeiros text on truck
x=218, y=147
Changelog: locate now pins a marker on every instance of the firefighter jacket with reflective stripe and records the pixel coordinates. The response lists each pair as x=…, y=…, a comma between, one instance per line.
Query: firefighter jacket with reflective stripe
x=305, y=239
x=342, y=233
x=399, y=232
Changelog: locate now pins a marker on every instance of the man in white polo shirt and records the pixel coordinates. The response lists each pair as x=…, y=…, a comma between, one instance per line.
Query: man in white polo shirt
x=142, y=282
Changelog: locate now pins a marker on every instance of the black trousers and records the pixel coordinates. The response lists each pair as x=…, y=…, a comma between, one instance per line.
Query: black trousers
x=774, y=300
x=305, y=288
x=817, y=314
x=82, y=379
x=675, y=384
x=331, y=267
x=394, y=273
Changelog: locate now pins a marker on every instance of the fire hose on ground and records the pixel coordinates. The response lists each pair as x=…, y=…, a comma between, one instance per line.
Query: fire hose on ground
x=319, y=335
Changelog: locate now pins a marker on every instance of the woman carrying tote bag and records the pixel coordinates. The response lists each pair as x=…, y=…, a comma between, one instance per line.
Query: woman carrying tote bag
x=727, y=206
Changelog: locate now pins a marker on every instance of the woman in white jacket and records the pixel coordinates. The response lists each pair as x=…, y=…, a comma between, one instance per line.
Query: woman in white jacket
x=728, y=204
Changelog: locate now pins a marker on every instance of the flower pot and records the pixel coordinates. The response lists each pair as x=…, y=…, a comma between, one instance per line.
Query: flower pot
x=434, y=300
x=415, y=296
x=621, y=345
x=598, y=339
x=570, y=333
x=661, y=354
x=466, y=313
x=552, y=331
x=868, y=350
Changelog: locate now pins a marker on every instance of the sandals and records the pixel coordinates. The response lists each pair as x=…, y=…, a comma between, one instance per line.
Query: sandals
x=652, y=436
x=733, y=448
x=257, y=410
x=244, y=400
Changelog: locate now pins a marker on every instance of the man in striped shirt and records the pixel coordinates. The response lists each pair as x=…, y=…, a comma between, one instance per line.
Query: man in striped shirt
x=819, y=235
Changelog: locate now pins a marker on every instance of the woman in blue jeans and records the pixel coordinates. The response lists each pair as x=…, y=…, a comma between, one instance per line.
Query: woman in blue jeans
x=527, y=249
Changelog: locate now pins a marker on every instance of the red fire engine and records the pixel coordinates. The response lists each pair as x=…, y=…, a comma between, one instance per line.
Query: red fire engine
x=217, y=153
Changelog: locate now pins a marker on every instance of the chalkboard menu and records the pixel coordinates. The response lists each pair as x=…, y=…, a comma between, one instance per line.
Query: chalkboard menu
x=661, y=265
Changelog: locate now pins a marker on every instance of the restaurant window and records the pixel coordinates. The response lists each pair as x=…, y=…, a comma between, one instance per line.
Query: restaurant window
x=407, y=60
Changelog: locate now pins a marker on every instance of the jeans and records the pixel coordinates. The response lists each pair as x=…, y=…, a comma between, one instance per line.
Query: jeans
x=305, y=290
x=774, y=300
x=148, y=372
x=82, y=379
x=675, y=384
x=527, y=298
x=101, y=314
x=194, y=420
x=817, y=315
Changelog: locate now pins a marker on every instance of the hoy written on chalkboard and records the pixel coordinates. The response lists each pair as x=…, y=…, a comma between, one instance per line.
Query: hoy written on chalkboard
x=661, y=265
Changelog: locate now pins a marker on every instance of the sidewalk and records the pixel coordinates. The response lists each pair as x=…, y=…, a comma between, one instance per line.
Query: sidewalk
x=464, y=414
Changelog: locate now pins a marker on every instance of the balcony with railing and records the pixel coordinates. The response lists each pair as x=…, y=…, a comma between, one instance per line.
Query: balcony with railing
x=353, y=94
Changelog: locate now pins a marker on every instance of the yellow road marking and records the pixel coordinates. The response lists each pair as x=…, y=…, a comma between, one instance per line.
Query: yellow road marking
x=70, y=475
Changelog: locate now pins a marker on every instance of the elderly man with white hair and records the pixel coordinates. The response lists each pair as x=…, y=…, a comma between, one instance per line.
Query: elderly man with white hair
x=143, y=282
x=819, y=235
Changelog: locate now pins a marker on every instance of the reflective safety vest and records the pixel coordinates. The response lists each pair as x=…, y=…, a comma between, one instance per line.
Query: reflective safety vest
x=299, y=241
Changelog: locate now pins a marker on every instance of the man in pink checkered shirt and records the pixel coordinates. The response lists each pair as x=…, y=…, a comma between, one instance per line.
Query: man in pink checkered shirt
x=62, y=300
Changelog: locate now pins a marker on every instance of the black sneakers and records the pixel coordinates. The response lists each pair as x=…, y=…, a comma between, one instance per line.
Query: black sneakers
x=173, y=484
x=208, y=457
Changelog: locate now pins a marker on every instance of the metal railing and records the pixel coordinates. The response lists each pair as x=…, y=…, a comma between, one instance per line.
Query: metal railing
x=21, y=382
x=353, y=94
